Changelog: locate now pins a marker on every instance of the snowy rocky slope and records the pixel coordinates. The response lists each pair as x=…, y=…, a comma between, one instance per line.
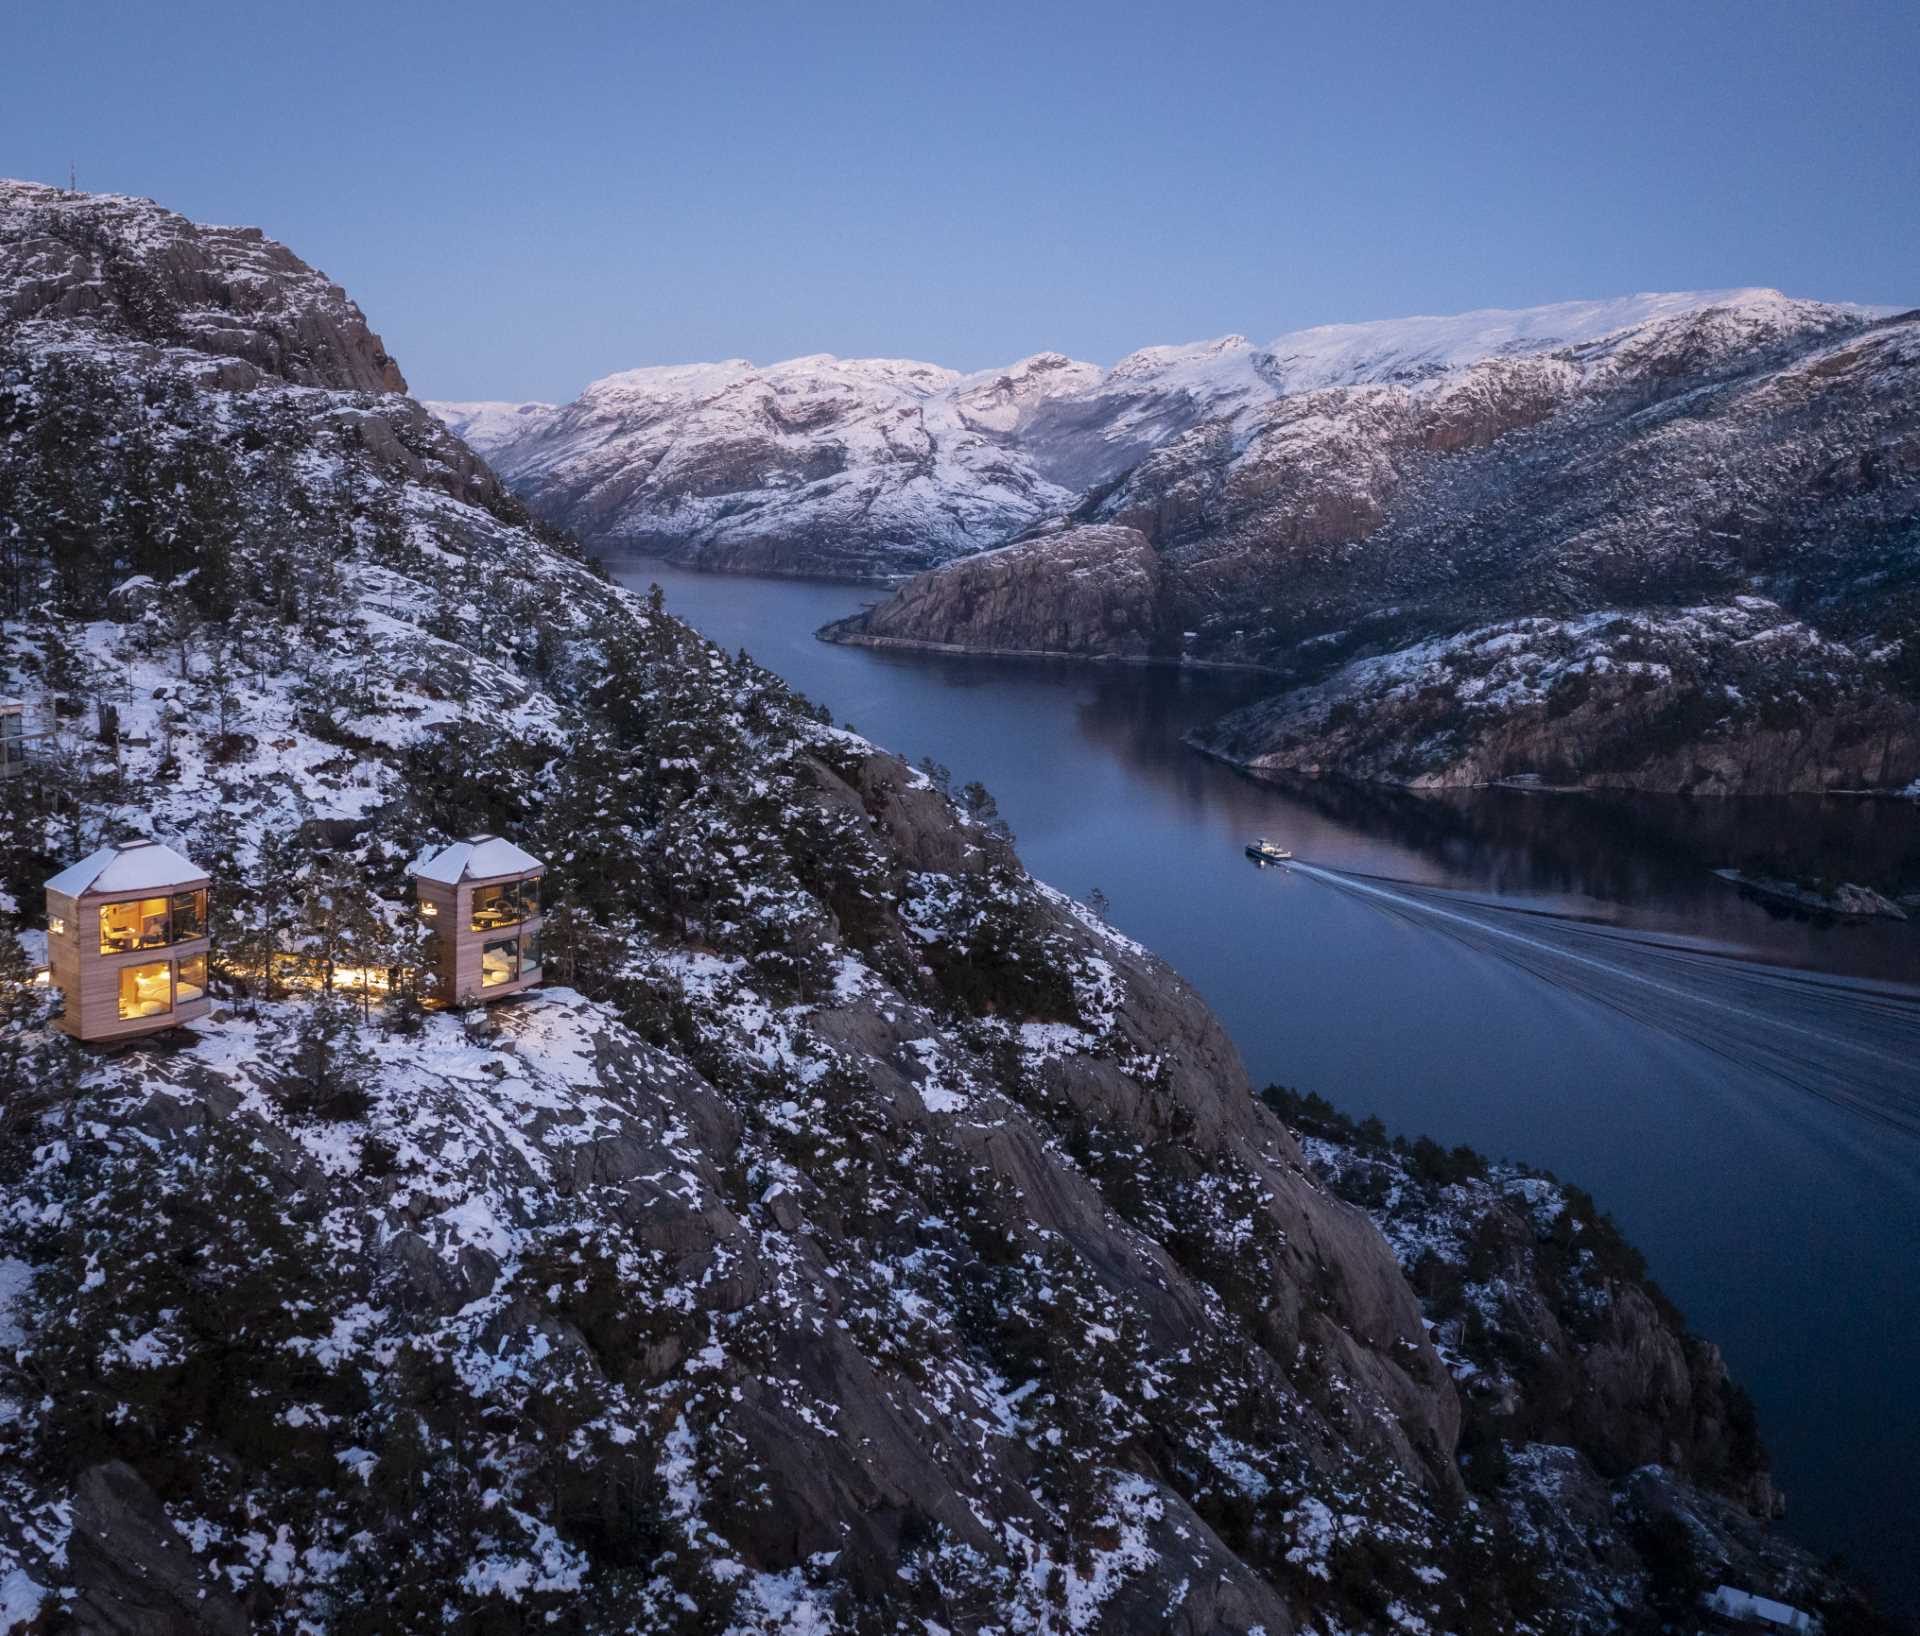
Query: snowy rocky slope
x=824, y=465
x=819, y=465
x=854, y=1235
x=1678, y=476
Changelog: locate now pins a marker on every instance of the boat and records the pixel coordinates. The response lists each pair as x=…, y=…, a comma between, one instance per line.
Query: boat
x=1266, y=851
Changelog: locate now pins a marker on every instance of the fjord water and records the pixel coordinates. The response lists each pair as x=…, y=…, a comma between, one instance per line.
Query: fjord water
x=1553, y=978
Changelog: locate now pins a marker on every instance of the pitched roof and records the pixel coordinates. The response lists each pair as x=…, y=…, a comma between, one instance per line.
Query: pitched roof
x=478, y=857
x=133, y=866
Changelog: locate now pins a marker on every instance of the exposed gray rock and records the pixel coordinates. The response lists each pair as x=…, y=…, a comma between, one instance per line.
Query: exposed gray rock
x=1086, y=592
x=130, y=266
x=132, y=1573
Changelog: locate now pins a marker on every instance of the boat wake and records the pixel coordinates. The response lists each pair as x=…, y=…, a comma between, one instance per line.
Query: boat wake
x=1853, y=1044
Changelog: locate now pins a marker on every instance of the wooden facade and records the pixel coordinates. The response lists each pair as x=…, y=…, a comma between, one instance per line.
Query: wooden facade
x=485, y=927
x=128, y=949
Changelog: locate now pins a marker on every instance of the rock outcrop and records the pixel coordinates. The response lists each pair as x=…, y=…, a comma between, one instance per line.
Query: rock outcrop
x=1090, y=592
x=1741, y=699
x=129, y=267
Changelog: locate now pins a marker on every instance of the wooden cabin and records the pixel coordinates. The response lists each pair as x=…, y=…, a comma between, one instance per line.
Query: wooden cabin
x=481, y=899
x=127, y=941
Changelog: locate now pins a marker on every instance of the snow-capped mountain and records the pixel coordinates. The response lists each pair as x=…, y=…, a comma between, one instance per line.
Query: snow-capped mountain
x=874, y=466
x=1428, y=477
x=488, y=427
x=818, y=465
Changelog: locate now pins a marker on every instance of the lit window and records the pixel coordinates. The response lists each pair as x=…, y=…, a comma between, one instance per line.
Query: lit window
x=530, y=955
x=499, y=962
x=494, y=907
x=146, y=991
x=191, y=983
x=189, y=916
x=138, y=925
x=56, y=926
x=506, y=904
x=429, y=911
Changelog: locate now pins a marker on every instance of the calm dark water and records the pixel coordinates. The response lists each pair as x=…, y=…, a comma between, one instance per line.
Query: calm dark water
x=1554, y=978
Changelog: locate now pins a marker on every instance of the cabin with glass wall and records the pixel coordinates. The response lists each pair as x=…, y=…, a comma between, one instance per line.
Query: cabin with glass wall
x=480, y=899
x=127, y=941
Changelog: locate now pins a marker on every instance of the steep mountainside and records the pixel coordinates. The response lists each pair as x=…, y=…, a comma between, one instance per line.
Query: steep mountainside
x=821, y=465
x=1750, y=468
x=854, y=1235
x=815, y=466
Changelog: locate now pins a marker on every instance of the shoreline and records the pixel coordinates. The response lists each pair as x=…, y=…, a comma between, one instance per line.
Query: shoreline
x=839, y=633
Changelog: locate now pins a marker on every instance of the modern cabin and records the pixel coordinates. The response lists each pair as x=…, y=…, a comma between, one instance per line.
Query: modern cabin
x=481, y=901
x=127, y=941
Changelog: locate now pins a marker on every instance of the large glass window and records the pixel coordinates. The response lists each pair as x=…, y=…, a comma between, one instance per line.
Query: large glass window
x=507, y=904
x=189, y=915
x=499, y=962
x=493, y=907
x=191, y=983
x=152, y=923
x=141, y=924
x=146, y=991
x=530, y=954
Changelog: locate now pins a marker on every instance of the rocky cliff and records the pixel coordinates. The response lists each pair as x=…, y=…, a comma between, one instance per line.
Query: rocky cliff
x=1088, y=592
x=129, y=268
x=853, y=1232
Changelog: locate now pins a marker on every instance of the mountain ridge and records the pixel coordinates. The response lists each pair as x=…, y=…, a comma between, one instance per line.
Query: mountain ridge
x=612, y=464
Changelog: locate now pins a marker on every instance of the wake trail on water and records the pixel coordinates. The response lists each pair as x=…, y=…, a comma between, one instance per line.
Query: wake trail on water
x=1855, y=1045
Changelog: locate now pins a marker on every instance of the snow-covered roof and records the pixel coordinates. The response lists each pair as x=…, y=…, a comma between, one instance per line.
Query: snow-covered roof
x=478, y=857
x=133, y=866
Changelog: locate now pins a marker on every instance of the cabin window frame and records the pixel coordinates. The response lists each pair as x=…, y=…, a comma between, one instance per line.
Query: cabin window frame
x=130, y=976
x=512, y=973
x=515, y=902
x=173, y=924
x=180, y=979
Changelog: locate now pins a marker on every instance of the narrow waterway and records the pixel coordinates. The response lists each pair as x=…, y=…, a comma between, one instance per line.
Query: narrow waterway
x=1556, y=978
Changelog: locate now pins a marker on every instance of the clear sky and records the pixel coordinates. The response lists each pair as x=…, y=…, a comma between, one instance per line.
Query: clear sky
x=524, y=197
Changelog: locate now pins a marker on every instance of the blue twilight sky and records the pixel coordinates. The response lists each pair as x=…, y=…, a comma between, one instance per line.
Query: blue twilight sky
x=523, y=197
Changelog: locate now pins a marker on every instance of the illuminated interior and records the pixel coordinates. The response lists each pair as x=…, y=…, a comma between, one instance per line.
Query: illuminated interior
x=191, y=984
x=146, y=991
x=506, y=904
x=141, y=924
x=152, y=923
x=499, y=962
x=189, y=916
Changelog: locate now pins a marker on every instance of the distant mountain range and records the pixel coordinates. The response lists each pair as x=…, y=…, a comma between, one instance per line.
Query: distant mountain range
x=1665, y=540
x=831, y=466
